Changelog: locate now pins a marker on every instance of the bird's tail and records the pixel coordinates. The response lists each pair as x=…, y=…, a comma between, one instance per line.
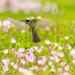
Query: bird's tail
x=35, y=37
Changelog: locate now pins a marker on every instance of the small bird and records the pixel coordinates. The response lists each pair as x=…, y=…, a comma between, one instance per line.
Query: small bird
x=33, y=23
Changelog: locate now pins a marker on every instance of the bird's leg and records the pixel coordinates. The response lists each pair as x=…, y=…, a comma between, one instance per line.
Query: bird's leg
x=35, y=37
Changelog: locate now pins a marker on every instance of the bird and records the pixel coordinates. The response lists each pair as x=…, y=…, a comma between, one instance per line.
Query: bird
x=33, y=24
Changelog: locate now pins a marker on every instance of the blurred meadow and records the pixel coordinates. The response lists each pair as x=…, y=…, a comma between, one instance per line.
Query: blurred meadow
x=54, y=54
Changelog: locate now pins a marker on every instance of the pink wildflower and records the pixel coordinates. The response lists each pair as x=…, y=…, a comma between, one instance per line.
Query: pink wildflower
x=62, y=63
x=67, y=68
x=64, y=73
x=13, y=40
x=21, y=49
x=30, y=57
x=5, y=61
x=23, y=61
x=42, y=60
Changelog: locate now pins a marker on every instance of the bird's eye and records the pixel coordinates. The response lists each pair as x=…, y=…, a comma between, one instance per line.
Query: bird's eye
x=27, y=20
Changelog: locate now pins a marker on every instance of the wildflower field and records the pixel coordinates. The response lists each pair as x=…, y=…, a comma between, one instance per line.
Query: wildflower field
x=54, y=54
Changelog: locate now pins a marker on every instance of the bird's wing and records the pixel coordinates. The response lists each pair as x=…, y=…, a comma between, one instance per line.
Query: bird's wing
x=18, y=24
x=43, y=23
